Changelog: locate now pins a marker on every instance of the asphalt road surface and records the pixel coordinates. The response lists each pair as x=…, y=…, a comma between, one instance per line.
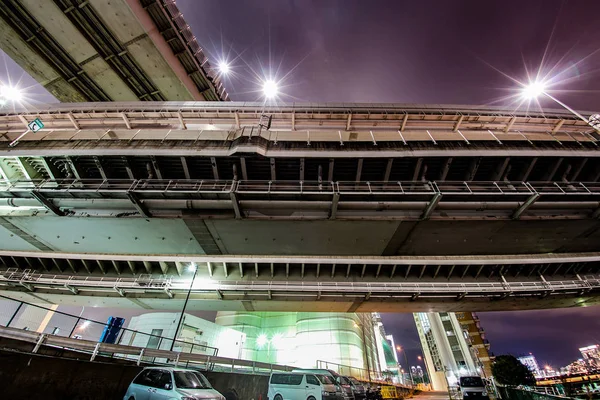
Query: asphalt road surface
x=433, y=396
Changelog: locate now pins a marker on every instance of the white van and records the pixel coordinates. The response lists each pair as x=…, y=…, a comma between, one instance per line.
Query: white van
x=302, y=386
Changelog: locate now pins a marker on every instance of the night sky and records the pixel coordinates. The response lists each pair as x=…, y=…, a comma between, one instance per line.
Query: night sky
x=434, y=52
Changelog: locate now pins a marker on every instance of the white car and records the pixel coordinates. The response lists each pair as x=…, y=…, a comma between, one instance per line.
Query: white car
x=163, y=383
x=302, y=386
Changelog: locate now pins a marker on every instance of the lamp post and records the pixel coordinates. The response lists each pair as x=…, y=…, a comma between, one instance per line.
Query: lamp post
x=399, y=349
x=366, y=355
x=192, y=267
x=536, y=89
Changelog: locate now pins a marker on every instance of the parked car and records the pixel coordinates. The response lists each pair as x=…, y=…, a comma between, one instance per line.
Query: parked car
x=302, y=386
x=343, y=387
x=162, y=383
x=472, y=387
x=360, y=392
x=347, y=388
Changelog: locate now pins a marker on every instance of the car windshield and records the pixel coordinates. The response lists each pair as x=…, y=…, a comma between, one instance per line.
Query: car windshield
x=344, y=380
x=190, y=380
x=471, y=381
x=325, y=379
x=355, y=381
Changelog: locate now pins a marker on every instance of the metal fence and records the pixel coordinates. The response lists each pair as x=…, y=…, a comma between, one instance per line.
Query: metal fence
x=47, y=326
x=508, y=393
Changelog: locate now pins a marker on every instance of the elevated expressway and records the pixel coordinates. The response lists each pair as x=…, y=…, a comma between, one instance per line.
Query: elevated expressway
x=108, y=50
x=342, y=207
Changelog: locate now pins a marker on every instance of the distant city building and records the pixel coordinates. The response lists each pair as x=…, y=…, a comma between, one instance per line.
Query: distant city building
x=531, y=363
x=196, y=335
x=577, y=367
x=445, y=348
x=591, y=356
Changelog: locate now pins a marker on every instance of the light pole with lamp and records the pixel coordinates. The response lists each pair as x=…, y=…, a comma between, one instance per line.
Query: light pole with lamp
x=192, y=267
x=537, y=88
x=399, y=350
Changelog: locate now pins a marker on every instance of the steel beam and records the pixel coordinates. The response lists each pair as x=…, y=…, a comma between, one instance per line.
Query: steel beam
x=359, y=170
x=131, y=267
x=388, y=170
x=500, y=169
x=139, y=205
x=157, y=170
x=148, y=266
x=445, y=168
x=473, y=167
x=236, y=205
x=273, y=170
x=215, y=169
x=243, y=167
x=457, y=125
x=184, y=165
x=523, y=207
x=578, y=169
x=417, y=169
x=74, y=169
x=525, y=173
x=334, y=206
x=49, y=205
x=100, y=168
x=549, y=176
x=431, y=207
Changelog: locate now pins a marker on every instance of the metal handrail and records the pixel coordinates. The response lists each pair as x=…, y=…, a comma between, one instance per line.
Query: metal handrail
x=174, y=357
x=15, y=277
x=302, y=187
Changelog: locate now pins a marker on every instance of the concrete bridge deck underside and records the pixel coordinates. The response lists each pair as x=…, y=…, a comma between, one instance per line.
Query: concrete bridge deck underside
x=132, y=235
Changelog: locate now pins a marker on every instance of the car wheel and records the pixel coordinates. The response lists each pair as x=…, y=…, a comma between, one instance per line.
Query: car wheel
x=278, y=397
x=131, y=398
x=311, y=398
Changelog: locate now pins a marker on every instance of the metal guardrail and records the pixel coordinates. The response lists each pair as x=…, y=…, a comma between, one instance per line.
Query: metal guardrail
x=146, y=283
x=302, y=187
x=511, y=198
x=142, y=355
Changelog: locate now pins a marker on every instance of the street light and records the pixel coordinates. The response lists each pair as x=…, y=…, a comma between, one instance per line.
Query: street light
x=192, y=267
x=263, y=340
x=10, y=94
x=537, y=88
x=399, y=349
x=224, y=67
x=270, y=88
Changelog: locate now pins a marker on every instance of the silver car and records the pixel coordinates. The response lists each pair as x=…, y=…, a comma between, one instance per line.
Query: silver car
x=158, y=383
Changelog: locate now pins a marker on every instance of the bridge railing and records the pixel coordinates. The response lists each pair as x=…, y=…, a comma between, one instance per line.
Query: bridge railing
x=454, y=189
x=146, y=283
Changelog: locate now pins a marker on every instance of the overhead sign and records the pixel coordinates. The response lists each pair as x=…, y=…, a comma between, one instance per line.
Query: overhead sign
x=35, y=125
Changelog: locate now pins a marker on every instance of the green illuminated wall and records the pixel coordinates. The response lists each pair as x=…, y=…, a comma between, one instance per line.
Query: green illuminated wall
x=302, y=338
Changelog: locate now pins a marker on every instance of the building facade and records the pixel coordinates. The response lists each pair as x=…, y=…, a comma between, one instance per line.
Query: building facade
x=445, y=348
x=350, y=343
x=196, y=335
x=479, y=345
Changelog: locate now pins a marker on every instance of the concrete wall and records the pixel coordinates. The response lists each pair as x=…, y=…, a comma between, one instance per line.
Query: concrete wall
x=24, y=375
